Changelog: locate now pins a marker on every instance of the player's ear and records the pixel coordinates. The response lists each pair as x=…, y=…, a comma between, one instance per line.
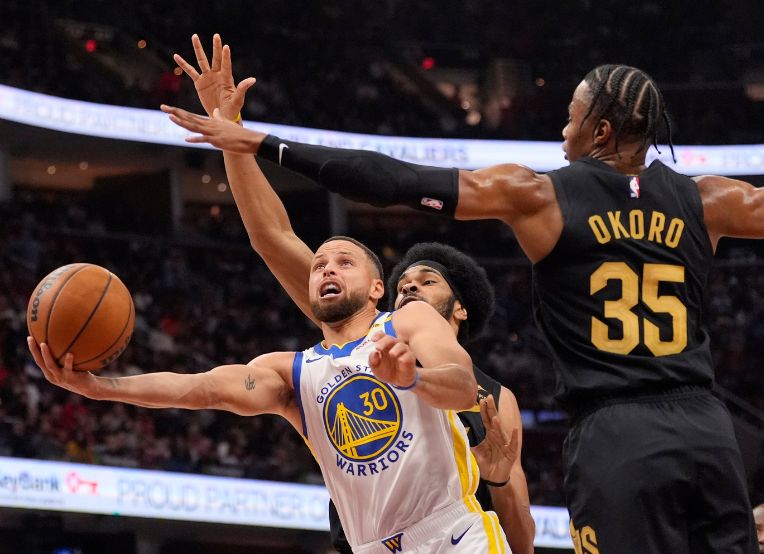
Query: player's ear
x=377, y=289
x=460, y=312
x=602, y=132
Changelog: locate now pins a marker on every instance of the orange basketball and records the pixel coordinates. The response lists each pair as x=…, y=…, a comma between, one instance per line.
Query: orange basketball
x=83, y=309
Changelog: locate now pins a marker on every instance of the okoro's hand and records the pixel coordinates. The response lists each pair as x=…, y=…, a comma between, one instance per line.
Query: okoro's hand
x=393, y=361
x=214, y=83
x=216, y=130
x=65, y=377
x=497, y=453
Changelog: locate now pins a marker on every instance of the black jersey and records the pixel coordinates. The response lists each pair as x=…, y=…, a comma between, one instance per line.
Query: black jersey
x=619, y=298
x=473, y=423
x=471, y=419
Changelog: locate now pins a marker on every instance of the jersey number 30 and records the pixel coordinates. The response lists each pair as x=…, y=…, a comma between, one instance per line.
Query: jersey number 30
x=621, y=309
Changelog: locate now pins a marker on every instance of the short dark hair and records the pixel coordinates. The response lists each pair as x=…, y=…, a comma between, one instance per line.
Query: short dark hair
x=371, y=256
x=467, y=276
x=632, y=102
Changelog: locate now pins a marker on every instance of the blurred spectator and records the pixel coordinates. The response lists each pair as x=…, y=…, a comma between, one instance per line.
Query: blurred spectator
x=354, y=66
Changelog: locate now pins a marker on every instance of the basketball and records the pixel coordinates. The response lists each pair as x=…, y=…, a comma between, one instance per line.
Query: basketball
x=83, y=309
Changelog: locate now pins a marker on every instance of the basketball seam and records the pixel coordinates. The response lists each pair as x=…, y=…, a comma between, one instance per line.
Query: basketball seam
x=87, y=321
x=55, y=297
x=122, y=332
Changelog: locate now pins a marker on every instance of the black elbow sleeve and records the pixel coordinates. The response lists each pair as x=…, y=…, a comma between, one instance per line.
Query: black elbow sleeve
x=368, y=177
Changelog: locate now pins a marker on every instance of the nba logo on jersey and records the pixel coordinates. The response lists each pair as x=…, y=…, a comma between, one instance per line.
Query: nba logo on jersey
x=634, y=187
x=393, y=543
x=433, y=203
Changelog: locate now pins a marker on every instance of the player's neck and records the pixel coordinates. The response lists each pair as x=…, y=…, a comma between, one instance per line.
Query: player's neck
x=629, y=159
x=350, y=329
x=454, y=323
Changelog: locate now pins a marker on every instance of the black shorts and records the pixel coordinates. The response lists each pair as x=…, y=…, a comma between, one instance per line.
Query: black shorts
x=339, y=540
x=658, y=474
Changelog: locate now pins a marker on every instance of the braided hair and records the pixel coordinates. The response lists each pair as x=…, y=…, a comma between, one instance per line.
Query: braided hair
x=628, y=98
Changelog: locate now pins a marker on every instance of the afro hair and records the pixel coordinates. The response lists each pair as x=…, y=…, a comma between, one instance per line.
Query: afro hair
x=475, y=289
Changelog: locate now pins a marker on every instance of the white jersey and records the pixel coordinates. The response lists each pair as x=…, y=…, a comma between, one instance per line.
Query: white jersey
x=388, y=458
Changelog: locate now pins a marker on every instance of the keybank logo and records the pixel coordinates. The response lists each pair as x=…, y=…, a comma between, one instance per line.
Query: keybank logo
x=28, y=482
x=77, y=485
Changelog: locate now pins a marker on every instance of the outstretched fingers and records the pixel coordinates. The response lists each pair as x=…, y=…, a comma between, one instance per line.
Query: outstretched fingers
x=199, y=139
x=185, y=115
x=185, y=66
x=225, y=63
x=189, y=121
x=245, y=85
x=201, y=57
x=217, y=52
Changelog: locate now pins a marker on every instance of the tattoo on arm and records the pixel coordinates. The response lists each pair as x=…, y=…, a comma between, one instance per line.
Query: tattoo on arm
x=249, y=383
x=114, y=384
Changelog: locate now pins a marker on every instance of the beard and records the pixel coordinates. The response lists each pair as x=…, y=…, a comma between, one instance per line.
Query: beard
x=342, y=309
x=446, y=308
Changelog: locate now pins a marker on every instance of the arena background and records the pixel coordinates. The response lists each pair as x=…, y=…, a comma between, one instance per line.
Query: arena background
x=115, y=186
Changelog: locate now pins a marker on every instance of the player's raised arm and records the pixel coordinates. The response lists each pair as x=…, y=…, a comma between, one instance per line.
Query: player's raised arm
x=731, y=208
x=251, y=389
x=265, y=219
x=269, y=229
x=512, y=193
x=445, y=378
x=504, y=192
x=356, y=174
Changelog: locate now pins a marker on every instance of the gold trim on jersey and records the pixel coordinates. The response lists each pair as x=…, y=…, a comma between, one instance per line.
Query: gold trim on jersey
x=461, y=453
x=338, y=346
x=469, y=475
x=493, y=531
x=305, y=440
x=374, y=324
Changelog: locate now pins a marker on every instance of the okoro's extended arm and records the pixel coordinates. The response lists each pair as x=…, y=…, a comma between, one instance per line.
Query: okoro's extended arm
x=367, y=176
x=515, y=194
x=512, y=193
x=731, y=208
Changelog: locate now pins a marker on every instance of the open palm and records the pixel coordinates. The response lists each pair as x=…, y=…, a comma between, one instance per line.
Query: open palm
x=214, y=83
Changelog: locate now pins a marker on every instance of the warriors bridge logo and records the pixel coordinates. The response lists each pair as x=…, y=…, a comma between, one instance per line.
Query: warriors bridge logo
x=362, y=417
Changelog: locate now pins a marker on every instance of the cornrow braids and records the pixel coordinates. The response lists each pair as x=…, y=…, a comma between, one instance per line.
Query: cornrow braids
x=628, y=98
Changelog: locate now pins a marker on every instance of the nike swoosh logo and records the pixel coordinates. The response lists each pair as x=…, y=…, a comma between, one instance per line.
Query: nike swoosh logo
x=282, y=147
x=313, y=360
x=456, y=540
